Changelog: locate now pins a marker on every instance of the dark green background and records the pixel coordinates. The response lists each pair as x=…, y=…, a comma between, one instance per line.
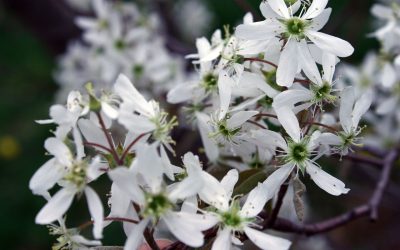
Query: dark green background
x=27, y=62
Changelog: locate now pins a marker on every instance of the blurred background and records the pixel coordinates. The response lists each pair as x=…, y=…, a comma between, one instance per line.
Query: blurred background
x=33, y=34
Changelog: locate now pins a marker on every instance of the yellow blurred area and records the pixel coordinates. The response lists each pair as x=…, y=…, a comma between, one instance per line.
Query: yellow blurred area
x=9, y=147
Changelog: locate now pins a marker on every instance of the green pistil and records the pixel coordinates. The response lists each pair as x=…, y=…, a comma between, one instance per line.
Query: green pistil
x=290, y=2
x=210, y=82
x=138, y=71
x=156, y=205
x=295, y=27
x=298, y=153
x=266, y=102
x=323, y=93
x=77, y=174
x=120, y=44
x=232, y=218
x=224, y=131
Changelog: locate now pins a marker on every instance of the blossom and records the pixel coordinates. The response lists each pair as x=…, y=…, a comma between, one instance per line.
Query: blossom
x=296, y=154
x=233, y=219
x=297, y=31
x=74, y=173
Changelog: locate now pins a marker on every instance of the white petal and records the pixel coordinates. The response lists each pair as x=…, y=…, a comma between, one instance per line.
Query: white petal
x=119, y=201
x=255, y=201
x=288, y=64
x=80, y=152
x=136, y=123
x=346, y=108
x=264, y=30
x=280, y=8
x=328, y=64
x=381, y=11
x=289, y=122
x=183, y=230
x=307, y=63
x=325, y=181
x=168, y=167
x=316, y=8
x=270, y=138
x=135, y=237
x=266, y=241
x=45, y=177
x=225, y=85
x=96, y=211
x=266, y=10
x=213, y=192
x=190, y=205
x=92, y=133
x=387, y=105
x=277, y=178
x=129, y=93
x=126, y=181
x=291, y=97
x=210, y=146
x=57, y=148
x=320, y=21
x=110, y=111
x=229, y=181
x=150, y=166
x=82, y=240
x=55, y=207
x=190, y=186
x=328, y=43
x=389, y=76
x=329, y=139
x=361, y=107
x=181, y=93
x=223, y=240
x=239, y=118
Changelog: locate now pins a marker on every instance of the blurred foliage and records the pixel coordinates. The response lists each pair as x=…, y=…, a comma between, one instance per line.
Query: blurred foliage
x=27, y=90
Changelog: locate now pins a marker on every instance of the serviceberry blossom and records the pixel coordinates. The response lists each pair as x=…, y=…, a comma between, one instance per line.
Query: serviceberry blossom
x=296, y=31
x=266, y=104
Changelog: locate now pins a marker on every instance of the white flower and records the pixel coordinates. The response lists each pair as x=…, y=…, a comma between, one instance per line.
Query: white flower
x=233, y=219
x=141, y=116
x=74, y=176
x=351, y=111
x=389, y=33
x=297, y=30
x=296, y=154
x=157, y=202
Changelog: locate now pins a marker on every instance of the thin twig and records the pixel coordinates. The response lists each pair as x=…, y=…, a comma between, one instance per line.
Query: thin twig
x=126, y=151
x=108, y=137
x=91, y=144
x=281, y=195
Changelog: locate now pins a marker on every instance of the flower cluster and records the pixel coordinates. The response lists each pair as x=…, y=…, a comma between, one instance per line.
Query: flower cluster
x=265, y=101
x=379, y=75
x=120, y=38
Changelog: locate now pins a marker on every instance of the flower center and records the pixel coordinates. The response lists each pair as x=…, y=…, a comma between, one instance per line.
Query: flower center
x=77, y=174
x=323, y=93
x=156, y=205
x=231, y=219
x=298, y=153
x=210, y=82
x=295, y=27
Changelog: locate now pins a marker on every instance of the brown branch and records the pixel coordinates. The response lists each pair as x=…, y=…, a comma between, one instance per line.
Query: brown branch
x=256, y=124
x=119, y=219
x=278, y=205
x=370, y=208
x=266, y=115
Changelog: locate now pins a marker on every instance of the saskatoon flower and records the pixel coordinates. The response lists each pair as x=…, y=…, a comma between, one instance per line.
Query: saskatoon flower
x=74, y=173
x=296, y=154
x=232, y=219
x=141, y=116
x=298, y=32
x=156, y=201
